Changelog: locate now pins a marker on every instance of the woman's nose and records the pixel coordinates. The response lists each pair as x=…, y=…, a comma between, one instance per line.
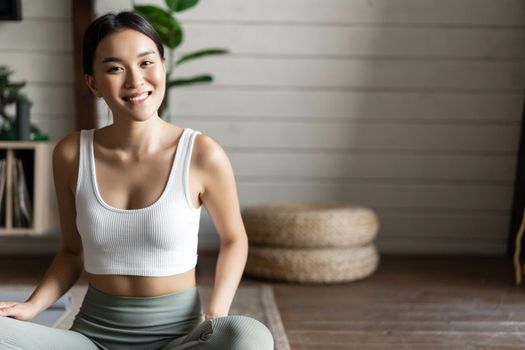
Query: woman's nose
x=134, y=79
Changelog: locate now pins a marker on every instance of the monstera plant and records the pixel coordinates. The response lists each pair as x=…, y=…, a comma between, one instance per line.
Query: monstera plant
x=172, y=35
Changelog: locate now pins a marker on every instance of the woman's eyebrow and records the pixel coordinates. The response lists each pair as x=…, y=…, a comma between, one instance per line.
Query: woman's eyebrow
x=117, y=59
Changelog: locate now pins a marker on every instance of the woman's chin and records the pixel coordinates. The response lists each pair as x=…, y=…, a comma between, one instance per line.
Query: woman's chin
x=139, y=112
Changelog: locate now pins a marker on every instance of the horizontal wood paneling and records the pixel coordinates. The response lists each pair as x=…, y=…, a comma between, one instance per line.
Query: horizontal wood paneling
x=363, y=136
x=325, y=41
x=48, y=9
x=451, y=12
x=449, y=227
x=272, y=105
x=429, y=12
x=44, y=68
x=51, y=99
x=56, y=126
x=381, y=195
x=49, y=103
x=330, y=166
x=360, y=73
x=35, y=35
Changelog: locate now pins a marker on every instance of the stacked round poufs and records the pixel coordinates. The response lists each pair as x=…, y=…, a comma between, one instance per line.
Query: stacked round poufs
x=311, y=242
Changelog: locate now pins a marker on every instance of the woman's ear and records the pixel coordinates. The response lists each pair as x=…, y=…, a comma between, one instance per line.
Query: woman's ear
x=90, y=82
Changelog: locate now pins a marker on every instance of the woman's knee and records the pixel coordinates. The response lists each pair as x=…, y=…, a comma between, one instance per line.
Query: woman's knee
x=243, y=333
x=24, y=335
x=11, y=333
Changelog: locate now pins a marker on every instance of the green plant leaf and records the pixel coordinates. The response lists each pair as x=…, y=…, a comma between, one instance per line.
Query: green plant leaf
x=172, y=4
x=201, y=53
x=16, y=86
x=205, y=78
x=12, y=97
x=25, y=98
x=181, y=5
x=169, y=29
x=5, y=72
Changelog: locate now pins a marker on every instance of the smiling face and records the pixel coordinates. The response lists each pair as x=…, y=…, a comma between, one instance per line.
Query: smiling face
x=129, y=74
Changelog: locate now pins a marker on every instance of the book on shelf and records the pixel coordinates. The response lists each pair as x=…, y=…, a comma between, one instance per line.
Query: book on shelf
x=3, y=177
x=22, y=208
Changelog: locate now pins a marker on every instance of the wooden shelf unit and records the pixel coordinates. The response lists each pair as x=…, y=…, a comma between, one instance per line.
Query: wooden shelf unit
x=37, y=161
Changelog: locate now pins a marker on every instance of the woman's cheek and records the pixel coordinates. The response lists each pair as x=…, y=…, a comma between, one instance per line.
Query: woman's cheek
x=160, y=78
x=158, y=75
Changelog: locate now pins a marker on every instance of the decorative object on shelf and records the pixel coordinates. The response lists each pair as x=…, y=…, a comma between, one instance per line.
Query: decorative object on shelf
x=10, y=94
x=311, y=242
x=22, y=124
x=11, y=10
x=171, y=34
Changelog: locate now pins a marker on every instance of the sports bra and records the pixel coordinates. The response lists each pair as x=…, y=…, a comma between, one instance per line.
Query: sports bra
x=157, y=240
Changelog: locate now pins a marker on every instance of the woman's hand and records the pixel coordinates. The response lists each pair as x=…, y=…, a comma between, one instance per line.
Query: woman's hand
x=211, y=315
x=20, y=311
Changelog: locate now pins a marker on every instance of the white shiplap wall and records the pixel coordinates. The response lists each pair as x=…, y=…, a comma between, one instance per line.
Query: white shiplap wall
x=411, y=107
x=39, y=49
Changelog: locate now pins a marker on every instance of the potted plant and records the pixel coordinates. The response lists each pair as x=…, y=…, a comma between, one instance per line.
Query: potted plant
x=10, y=94
x=172, y=35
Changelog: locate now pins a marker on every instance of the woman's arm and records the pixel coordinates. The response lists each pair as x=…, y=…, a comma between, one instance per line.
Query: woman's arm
x=67, y=265
x=221, y=201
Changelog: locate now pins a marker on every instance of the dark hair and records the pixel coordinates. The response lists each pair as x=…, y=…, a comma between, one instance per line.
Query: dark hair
x=111, y=23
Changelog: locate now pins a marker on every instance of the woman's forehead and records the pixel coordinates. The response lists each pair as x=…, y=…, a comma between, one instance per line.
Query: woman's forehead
x=126, y=44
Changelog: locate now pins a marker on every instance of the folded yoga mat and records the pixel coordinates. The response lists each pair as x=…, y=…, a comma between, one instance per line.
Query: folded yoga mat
x=50, y=317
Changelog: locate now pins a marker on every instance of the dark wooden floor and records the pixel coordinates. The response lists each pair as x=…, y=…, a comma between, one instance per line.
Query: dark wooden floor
x=411, y=302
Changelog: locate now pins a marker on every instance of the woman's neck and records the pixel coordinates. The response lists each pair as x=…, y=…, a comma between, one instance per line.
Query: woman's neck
x=135, y=137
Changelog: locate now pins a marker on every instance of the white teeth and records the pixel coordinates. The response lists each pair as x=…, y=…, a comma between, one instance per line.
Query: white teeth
x=139, y=98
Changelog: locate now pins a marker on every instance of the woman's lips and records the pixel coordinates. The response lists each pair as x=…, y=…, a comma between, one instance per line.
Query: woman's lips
x=138, y=99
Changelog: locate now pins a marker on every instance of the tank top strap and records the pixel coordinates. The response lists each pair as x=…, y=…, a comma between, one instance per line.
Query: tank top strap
x=83, y=157
x=185, y=159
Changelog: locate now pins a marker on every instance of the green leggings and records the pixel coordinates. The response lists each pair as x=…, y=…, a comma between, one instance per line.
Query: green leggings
x=166, y=322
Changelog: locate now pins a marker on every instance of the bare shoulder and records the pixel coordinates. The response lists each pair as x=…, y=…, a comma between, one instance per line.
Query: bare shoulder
x=66, y=149
x=209, y=155
x=213, y=165
x=66, y=155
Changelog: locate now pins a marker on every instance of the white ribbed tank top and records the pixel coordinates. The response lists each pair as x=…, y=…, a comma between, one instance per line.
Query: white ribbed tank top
x=157, y=240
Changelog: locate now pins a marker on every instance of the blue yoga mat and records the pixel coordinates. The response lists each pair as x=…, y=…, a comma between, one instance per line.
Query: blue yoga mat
x=50, y=317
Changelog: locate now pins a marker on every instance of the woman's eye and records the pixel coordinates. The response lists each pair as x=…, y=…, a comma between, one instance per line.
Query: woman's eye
x=113, y=69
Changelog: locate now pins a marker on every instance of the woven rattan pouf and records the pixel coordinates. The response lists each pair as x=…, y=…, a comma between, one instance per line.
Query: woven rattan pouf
x=313, y=265
x=311, y=242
